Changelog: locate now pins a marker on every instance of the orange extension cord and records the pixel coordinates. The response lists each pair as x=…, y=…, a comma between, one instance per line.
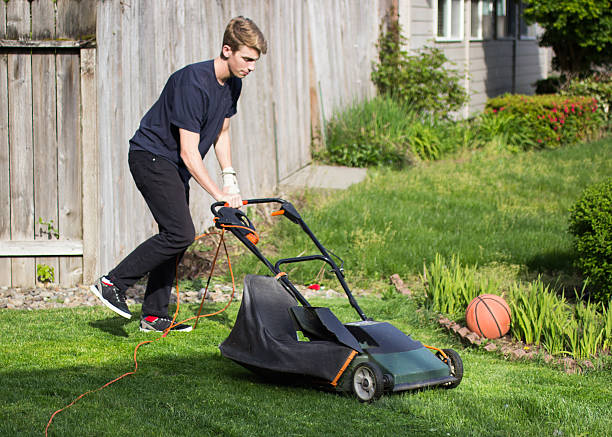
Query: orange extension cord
x=165, y=333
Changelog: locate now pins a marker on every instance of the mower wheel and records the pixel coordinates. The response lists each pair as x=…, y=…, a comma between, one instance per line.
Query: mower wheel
x=455, y=364
x=367, y=382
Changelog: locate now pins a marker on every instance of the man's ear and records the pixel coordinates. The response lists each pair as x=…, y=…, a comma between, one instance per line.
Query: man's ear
x=226, y=50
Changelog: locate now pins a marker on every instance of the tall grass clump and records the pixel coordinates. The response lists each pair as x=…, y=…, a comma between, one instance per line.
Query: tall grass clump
x=538, y=315
x=541, y=317
x=450, y=287
x=384, y=132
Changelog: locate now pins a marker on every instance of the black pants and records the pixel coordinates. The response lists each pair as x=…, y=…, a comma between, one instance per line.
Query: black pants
x=168, y=199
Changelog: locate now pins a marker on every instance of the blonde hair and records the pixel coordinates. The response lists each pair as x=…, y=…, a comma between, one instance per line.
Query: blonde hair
x=242, y=31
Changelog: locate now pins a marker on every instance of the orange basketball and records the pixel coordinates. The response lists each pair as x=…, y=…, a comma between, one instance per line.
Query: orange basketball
x=488, y=315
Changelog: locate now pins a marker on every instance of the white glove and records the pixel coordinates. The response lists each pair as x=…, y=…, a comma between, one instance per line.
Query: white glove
x=230, y=183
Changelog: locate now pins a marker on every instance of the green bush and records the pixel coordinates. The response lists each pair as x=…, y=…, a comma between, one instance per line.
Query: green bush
x=423, y=80
x=384, y=132
x=550, y=121
x=591, y=224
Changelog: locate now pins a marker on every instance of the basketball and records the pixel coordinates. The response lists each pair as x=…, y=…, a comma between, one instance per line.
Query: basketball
x=488, y=315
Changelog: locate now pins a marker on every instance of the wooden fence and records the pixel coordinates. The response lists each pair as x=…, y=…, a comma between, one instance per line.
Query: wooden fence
x=68, y=111
x=40, y=140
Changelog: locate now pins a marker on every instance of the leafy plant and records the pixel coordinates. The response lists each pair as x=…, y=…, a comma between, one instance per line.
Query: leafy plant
x=51, y=231
x=45, y=273
x=591, y=225
x=423, y=80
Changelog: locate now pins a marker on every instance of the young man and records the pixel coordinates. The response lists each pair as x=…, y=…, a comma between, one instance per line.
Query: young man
x=191, y=114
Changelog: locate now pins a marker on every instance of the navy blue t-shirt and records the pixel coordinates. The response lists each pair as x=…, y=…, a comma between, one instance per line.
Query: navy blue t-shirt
x=192, y=100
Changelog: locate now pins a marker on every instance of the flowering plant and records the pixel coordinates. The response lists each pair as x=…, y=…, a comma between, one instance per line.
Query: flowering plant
x=551, y=120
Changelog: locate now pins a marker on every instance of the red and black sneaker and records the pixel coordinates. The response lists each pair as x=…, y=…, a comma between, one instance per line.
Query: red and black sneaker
x=111, y=296
x=160, y=324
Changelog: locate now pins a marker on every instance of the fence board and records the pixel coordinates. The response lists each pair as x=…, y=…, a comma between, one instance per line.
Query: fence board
x=43, y=19
x=76, y=19
x=70, y=219
x=104, y=36
x=45, y=150
x=2, y=20
x=21, y=163
x=90, y=181
x=5, y=191
x=140, y=212
x=18, y=19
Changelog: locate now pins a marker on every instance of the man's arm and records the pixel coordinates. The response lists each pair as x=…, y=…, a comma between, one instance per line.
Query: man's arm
x=193, y=161
x=222, y=146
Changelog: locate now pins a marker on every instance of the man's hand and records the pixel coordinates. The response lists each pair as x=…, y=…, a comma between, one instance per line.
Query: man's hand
x=233, y=200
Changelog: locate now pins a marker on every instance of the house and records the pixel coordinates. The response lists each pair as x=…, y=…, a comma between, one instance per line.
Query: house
x=488, y=41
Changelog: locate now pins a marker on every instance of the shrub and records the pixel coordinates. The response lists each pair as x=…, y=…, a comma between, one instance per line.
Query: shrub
x=549, y=121
x=597, y=85
x=423, y=80
x=591, y=224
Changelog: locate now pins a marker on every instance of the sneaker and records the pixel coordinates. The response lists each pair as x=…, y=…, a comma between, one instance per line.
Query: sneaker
x=160, y=324
x=111, y=296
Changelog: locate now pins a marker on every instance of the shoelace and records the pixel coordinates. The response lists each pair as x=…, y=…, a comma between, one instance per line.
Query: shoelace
x=119, y=295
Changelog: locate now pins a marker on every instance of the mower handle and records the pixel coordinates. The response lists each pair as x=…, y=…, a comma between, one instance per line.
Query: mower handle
x=215, y=206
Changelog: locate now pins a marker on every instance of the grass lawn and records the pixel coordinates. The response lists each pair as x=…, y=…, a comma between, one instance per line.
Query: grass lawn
x=184, y=386
x=485, y=208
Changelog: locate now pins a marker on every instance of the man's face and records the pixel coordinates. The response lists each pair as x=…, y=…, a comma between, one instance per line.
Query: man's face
x=242, y=61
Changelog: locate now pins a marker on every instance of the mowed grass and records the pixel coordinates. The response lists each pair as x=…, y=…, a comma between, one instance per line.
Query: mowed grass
x=184, y=387
x=486, y=208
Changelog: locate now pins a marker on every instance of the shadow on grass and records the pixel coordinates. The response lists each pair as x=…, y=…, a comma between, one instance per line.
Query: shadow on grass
x=556, y=270
x=553, y=261
x=113, y=325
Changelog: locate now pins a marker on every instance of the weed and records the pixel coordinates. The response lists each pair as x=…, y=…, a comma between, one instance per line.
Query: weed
x=51, y=231
x=45, y=273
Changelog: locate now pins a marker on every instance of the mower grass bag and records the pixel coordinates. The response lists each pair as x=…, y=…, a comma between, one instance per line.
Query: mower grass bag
x=365, y=357
x=264, y=337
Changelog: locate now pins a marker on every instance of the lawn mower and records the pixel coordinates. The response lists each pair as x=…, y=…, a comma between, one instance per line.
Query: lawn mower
x=366, y=357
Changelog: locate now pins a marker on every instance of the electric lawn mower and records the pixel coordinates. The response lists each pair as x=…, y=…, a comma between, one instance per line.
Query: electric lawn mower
x=365, y=357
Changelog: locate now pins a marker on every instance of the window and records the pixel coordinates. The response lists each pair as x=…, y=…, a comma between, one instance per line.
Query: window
x=449, y=20
x=496, y=19
x=527, y=31
x=506, y=18
x=482, y=19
